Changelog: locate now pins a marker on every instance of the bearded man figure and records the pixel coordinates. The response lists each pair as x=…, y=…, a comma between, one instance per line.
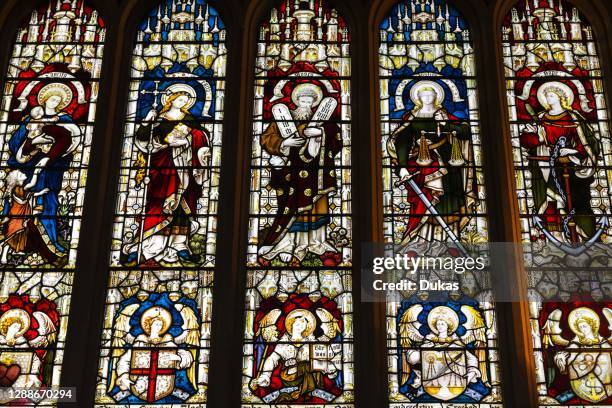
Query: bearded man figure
x=302, y=175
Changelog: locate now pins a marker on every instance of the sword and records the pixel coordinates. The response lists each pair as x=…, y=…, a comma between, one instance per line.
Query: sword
x=432, y=210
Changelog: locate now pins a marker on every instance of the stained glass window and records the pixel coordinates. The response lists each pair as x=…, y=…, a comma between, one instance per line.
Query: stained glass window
x=46, y=124
x=563, y=161
x=298, y=346
x=156, y=330
x=442, y=344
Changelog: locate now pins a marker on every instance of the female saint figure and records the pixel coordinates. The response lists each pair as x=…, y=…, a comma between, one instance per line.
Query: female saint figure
x=41, y=148
x=177, y=147
x=432, y=147
x=562, y=152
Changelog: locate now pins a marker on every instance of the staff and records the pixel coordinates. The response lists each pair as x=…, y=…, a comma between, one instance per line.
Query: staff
x=155, y=92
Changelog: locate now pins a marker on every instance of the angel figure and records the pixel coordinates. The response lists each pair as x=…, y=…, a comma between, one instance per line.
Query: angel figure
x=15, y=326
x=588, y=371
x=447, y=367
x=153, y=367
x=297, y=362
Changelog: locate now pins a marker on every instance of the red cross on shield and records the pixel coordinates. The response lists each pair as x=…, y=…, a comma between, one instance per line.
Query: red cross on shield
x=153, y=373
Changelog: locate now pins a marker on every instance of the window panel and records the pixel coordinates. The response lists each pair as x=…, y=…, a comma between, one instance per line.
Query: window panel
x=561, y=150
x=156, y=334
x=556, y=102
x=298, y=345
x=46, y=119
x=442, y=346
x=46, y=124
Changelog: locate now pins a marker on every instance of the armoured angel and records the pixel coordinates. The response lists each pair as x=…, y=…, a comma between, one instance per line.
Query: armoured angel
x=588, y=371
x=149, y=365
x=447, y=367
x=24, y=365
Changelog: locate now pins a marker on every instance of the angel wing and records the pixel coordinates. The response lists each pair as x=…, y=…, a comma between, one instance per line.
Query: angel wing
x=409, y=327
x=476, y=332
x=189, y=336
x=121, y=332
x=608, y=313
x=121, y=336
x=266, y=321
x=191, y=328
x=475, y=326
x=552, y=330
x=46, y=329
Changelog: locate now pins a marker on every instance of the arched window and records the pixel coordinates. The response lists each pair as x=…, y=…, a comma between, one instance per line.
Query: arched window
x=298, y=335
x=155, y=337
x=441, y=340
x=562, y=157
x=46, y=125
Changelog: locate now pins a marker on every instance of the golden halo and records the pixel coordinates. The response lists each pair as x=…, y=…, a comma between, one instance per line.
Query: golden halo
x=445, y=313
x=307, y=90
x=153, y=313
x=582, y=313
x=414, y=91
x=556, y=85
x=55, y=89
x=295, y=314
x=175, y=88
x=15, y=315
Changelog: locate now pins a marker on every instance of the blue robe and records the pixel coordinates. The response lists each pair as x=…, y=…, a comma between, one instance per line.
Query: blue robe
x=50, y=177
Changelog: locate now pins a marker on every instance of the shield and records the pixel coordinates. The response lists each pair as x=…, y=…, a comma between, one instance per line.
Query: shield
x=444, y=373
x=153, y=373
x=23, y=359
x=590, y=375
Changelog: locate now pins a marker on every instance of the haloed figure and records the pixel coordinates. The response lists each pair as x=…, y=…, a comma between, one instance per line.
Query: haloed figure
x=432, y=147
x=178, y=147
x=561, y=144
x=302, y=188
x=42, y=148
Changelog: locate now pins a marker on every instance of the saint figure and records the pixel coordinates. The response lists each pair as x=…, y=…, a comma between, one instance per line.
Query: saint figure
x=42, y=148
x=562, y=152
x=432, y=147
x=303, y=176
x=177, y=146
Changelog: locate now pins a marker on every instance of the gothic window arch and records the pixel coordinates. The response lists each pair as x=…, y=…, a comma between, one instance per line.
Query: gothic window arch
x=442, y=342
x=156, y=329
x=298, y=344
x=562, y=158
x=46, y=124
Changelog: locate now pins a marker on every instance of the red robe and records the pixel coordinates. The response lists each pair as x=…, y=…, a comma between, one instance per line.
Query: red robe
x=165, y=179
